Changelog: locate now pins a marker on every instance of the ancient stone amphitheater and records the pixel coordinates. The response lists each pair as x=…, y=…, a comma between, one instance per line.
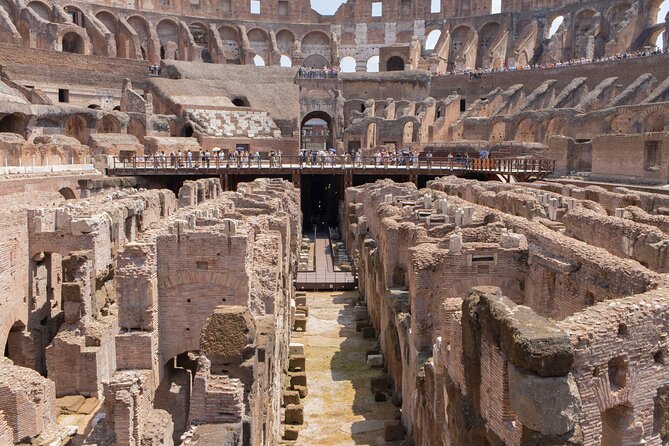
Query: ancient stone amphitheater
x=410, y=222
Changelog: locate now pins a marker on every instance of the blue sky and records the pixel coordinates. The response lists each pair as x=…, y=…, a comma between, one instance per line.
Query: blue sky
x=326, y=7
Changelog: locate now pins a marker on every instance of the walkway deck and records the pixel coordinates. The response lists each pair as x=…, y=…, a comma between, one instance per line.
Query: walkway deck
x=521, y=169
x=324, y=276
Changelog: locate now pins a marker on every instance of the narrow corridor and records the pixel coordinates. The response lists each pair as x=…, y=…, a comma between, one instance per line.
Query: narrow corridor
x=340, y=408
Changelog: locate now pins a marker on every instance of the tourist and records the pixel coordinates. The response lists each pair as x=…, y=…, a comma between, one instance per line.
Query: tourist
x=207, y=158
x=450, y=160
x=428, y=157
x=189, y=159
x=257, y=157
x=179, y=159
x=272, y=160
x=172, y=159
x=163, y=159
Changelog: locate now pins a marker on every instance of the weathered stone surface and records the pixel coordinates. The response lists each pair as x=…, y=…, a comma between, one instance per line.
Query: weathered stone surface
x=549, y=405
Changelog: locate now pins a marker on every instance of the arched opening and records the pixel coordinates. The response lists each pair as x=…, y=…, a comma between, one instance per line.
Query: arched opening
x=347, y=65
x=73, y=43
x=498, y=132
x=616, y=421
x=258, y=61
x=373, y=64
x=315, y=61
x=526, y=131
x=285, y=42
x=117, y=108
x=654, y=122
x=94, y=106
x=13, y=346
x=487, y=36
x=259, y=41
x=187, y=130
x=108, y=20
x=14, y=123
x=173, y=394
x=168, y=33
x=395, y=63
x=41, y=9
x=108, y=124
x=67, y=193
x=317, y=43
x=240, y=102
x=316, y=131
x=140, y=26
x=230, y=41
x=76, y=127
x=432, y=39
x=285, y=61
x=555, y=25
x=136, y=128
x=463, y=51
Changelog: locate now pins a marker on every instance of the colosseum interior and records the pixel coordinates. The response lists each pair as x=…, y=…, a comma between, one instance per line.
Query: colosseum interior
x=334, y=222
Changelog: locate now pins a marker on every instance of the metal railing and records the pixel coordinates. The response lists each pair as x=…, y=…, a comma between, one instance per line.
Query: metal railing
x=221, y=165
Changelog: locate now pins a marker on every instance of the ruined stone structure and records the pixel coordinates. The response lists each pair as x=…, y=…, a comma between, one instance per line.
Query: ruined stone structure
x=157, y=309
x=517, y=315
x=129, y=297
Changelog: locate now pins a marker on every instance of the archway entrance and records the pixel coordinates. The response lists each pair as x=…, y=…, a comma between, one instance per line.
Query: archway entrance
x=316, y=131
x=395, y=63
x=14, y=123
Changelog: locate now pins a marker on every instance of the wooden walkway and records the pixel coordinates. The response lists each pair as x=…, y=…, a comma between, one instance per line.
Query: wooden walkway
x=324, y=276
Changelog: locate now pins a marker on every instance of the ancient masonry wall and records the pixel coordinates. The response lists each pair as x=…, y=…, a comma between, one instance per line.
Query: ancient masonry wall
x=501, y=318
x=120, y=286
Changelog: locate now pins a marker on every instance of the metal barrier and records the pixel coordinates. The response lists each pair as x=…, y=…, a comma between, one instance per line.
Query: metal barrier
x=290, y=163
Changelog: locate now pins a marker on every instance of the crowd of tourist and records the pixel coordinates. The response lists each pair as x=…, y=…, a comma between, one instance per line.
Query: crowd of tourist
x=316, y=73
x=479, y=72
x=154, y=70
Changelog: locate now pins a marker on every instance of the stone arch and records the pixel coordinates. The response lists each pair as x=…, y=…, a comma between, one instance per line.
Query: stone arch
x=141, y=28
x=317, y=42
x=584, y=27
x=285, y=41
x=459, y=40
x=408, y=132
x=487, y=37
x=258, y=61
x=555, y=127
x=168, y=35
x=395, y=63
x=323, y=116
x=655, y=121
x=526, y=131
x=76, y=126
x=259, y=41
x=200, y=33
x=621, y=123
x=10, y=349
x=617, y=422
x=72, y=42
x=187, y=130
x=67, y=193
x=498, y=132
x=315, y=61
x=108, y=124
x=109, y=20
x=231, y=43
x=14, y=123
x=137, y=129
x=41, y=9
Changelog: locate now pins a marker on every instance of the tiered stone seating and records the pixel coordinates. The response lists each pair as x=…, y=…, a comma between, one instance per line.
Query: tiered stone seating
x=235, y=123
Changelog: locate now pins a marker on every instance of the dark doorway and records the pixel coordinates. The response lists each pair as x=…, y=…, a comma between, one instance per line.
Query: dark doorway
x=395, y=63
x=316, y=131
x=321, y=195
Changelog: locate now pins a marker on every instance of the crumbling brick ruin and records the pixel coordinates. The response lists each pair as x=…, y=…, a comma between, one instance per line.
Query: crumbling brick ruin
x=517, y=314
x=133, y=295
x=167, y=167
